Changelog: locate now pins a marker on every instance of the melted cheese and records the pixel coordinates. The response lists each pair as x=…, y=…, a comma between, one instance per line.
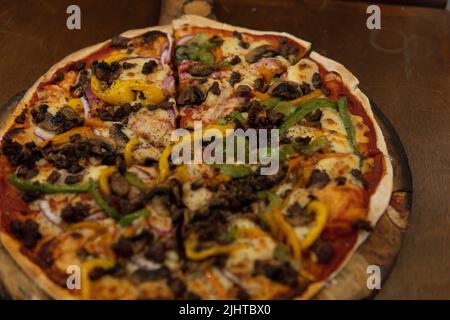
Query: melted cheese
x=302, y=71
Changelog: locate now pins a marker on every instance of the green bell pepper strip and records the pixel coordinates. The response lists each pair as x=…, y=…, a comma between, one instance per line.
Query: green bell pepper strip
x=309, y=149
x=234, y=170
x=134, y=180
x=348, y=124
x=47, y=188
x=303, y=110
x=101, y=202
x=128, y=219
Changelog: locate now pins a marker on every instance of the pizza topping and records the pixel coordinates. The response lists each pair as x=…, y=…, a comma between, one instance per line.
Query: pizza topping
x=198, y=48
x=123, y=247
x=200, y=70
x=215, y=89
x=190, y=95
x=79, y=88
x=234, y=61
x=278, y=272
x=235, y=77
x=75, y=213
x=27, y=232
x=149, y=67
x=20, y=119
x=289, y=50
x=348, y=124
x=323, y=251
x=106, y=72
x=286, y=90
x=53, y=177
x=263, y=51
x=243, y=91
x=46, y=188
x=260, y=85
x=119, y=42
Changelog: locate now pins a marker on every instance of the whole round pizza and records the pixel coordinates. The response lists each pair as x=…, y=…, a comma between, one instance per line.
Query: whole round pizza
x=89, y=185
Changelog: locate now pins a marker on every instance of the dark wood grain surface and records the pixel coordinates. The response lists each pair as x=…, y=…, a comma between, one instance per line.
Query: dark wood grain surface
x=404, y=68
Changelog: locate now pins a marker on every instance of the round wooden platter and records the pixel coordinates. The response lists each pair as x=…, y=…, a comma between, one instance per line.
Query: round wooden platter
x=381, y=248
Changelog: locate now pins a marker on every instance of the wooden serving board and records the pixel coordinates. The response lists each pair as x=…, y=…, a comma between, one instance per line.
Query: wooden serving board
x=381, y=248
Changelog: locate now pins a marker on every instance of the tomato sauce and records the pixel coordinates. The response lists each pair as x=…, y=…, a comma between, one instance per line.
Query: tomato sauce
x=11, y=205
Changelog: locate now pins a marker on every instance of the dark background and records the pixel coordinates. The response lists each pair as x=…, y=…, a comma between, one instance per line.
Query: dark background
x=404, y=68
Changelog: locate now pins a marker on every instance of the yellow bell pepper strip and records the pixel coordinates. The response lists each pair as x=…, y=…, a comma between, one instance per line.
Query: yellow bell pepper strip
x=128, y=152
x=110, y=211
x=303, y=110
x=221, y=292
x=312, y=95
x=95, y=123
x=279, y=227
x=118, y=92
x=88, y=225
x=47, y=188
x=76, y=105
x=116, y=56
x=86, y=269
x=65, y=137
x=163, y=163
x=287, y=233
x=152, y=93
x=251, y=232
x=128, y=219
x=103, y=179
x=191, y=243
x=321, y=213
x=123, y=91
x=182, y=174
x=133, y=179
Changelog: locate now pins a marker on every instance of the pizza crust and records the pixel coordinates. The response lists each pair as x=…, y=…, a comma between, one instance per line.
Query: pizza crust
x=205, y=22
x=378, y=201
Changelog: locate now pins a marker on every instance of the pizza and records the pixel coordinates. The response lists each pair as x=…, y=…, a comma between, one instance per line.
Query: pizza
x=88, y=182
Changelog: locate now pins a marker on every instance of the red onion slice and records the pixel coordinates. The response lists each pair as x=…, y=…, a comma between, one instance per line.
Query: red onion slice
x=43, y=134
x=92, y=99
x=86, y=107
x=167, y=52
x=168, y=84
x=184, y=40
x=44, y=206
x=145, y=264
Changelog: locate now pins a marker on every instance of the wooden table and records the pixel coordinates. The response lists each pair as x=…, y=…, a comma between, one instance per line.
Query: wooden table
x=404, y=68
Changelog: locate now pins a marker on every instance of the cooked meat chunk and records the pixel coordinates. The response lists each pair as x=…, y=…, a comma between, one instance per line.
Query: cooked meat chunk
x=123, y=247
x=75, y=213
x=27, y=232
x=319, y=178
x=119, y=185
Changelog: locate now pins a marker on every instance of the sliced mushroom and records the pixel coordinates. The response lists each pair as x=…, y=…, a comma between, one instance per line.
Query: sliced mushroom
x=257, y=53
x=116, y=133
x=101, y=146
x=119, y=185
x=190, y=95
x=200, y=70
